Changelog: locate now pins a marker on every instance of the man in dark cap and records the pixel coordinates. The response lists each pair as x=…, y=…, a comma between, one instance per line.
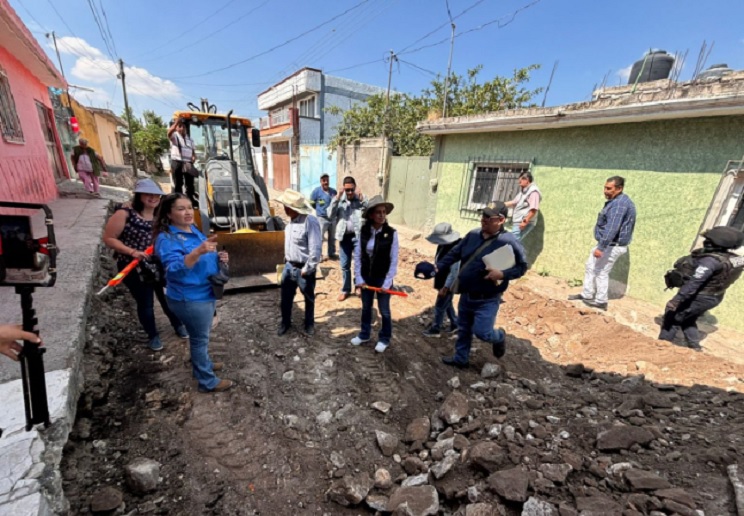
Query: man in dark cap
x=704, y=276
x=480, y=287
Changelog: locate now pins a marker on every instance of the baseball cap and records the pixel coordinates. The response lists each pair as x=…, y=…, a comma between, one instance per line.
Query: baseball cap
x=425, y=270
x=497, y=208
x=324, y=175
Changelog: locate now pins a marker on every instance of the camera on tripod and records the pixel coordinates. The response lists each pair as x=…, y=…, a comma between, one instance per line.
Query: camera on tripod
x=28, y=259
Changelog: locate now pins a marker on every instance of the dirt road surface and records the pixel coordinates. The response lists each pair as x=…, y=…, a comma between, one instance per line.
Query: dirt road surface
x=316, y=426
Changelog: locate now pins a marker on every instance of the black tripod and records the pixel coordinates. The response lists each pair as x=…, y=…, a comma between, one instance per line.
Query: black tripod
x=32, y=365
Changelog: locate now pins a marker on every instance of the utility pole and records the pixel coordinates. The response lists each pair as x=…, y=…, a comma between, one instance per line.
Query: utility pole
x=132, y=151
x=383, y=146
x=449, y=68
x=61, y=69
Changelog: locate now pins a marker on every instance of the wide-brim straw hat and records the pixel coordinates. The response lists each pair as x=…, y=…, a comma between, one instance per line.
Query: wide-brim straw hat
x=443, y=234
x=296, y=201
x=376, y=201
x=148, y=186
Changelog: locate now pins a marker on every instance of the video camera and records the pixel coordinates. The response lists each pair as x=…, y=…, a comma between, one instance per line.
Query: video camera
x=27, y=262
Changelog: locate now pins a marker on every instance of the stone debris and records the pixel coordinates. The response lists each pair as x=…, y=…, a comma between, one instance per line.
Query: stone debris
x=388, y=443
x=454, y=408
x=381, y=406
x=142, y=475
x=350, y=490
x=106, y=499
x=414, y=501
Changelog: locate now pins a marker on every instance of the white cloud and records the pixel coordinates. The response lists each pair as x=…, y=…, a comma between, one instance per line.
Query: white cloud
x=624, y=73
x=93, y=66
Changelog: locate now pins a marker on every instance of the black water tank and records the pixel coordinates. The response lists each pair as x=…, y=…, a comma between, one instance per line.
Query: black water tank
x=714, y=72
x=655, y=65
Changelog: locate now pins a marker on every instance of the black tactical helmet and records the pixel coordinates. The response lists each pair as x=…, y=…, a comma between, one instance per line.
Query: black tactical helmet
x=725, y=237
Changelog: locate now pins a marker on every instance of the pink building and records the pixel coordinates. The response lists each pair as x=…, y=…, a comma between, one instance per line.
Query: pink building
x=31, y=159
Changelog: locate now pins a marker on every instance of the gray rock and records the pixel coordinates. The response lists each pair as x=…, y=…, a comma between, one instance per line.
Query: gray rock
x=623, y=437
x=536, y=507
x=142, y=475
x=106, y=499
x=414, y=465
x=324, y=417
x=416, y=480
x=510, y=484
x=556, y=472
x=487, y=455
x=337, y=459
x=481, y=509
x=676, y=494
x=598, y=505
x=387, y=442
x=289, y=376
x=383, y=479
x=490, y=370
x=418, y=430
x=414, y=501
x=442, y=468
x=350, y=490
x=678, y=508
x=645, y=480
x=454, y=382
x=381, y=406
x=377, y=502
x=454, y=408
x=442, y=447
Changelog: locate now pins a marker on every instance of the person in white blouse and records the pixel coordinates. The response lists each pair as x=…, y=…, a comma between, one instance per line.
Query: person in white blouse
x=375, y=265
x=182, y=159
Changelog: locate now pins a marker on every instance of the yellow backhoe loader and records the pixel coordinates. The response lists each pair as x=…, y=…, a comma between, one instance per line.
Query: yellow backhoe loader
x=233, y=198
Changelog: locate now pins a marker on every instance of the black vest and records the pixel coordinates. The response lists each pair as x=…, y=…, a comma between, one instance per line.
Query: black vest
x=731, y=269
x=376, y=267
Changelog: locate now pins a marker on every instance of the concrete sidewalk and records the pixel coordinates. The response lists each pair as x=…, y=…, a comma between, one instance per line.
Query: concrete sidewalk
x=30, y=481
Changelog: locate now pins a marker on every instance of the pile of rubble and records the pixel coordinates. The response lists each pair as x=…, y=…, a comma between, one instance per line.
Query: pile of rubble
x=587, y=444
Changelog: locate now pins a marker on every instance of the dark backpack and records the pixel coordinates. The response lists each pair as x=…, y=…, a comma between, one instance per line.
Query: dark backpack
x=683, y=270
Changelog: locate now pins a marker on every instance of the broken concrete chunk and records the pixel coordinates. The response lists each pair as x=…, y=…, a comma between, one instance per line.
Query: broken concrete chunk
x=510, y=484
x=350, y=490
x=623, y=437
x=454, y=408
x=414, y=501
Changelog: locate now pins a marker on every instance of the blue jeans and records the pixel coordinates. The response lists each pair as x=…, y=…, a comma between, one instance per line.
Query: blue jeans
x=144, y=294
x=476, y=316
x=197, y=316
x=327, y=227
x=291, y=280
x=383, y=303
x=346, y=248
x=441, y=307
x=521, y=233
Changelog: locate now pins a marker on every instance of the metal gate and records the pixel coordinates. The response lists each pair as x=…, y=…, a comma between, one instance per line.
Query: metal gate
x=280, y=158
x=52, y=148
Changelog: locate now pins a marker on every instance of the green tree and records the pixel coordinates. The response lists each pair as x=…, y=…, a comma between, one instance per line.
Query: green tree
x=150, y=136
x=466, y=96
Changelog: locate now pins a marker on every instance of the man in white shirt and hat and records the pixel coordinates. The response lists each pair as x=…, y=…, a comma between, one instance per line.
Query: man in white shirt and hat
x=302, y=247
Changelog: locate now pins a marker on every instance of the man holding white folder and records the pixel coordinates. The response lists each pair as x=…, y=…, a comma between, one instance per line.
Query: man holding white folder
x=490, y=257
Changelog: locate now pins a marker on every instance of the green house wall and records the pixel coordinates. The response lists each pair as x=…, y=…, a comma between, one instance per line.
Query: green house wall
x=671, y=168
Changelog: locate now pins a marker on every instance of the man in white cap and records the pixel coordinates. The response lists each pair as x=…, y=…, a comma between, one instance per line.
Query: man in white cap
x=302, y=244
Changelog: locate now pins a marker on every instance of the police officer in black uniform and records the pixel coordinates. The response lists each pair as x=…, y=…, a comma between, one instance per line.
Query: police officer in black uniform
x=715, y=270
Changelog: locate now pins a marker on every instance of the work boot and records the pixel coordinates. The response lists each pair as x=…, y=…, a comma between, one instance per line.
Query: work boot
x=283, y=328
x=450, y=361
x=595, y=304
x=576, y=297
x=432, y=332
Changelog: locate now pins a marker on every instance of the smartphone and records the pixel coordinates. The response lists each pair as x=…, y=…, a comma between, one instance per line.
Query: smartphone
x=27, y=245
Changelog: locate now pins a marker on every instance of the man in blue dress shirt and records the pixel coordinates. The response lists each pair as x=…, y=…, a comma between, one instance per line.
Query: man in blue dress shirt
x=320, y=199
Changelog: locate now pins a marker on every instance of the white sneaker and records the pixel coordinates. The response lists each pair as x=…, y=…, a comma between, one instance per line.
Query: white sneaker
x=381, y=346
x=356, y=341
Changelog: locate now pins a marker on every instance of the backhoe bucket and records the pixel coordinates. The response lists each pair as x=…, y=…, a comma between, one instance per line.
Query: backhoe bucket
x=253, y=253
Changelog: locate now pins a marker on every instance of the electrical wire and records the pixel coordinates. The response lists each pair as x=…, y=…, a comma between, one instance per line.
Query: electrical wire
x=472, y=6
x=108, y=27
x=32, y=16
x=417, y=67
x=272, y=49
x=100, y=29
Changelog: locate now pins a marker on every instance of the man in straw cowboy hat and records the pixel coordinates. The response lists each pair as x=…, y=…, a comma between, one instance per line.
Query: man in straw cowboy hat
x=302, y=243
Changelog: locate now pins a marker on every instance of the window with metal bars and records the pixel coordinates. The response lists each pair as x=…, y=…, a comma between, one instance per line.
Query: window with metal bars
x=10, y=124
x=487, y=182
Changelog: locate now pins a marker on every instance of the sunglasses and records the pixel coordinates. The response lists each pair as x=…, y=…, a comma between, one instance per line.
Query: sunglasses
x=349, y=190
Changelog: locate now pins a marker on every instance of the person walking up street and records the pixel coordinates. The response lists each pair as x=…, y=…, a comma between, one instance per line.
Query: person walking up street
x=481, y=288
x=711, y=270
x=89, y=165
x=321, y=199
x=526, y=205
x=446, y=239
x=182, y=159
x=375, y=265
x=302, y=247
x=613, y=233
x=346, y=210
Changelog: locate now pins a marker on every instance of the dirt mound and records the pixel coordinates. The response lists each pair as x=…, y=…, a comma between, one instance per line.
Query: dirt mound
x=319, y=426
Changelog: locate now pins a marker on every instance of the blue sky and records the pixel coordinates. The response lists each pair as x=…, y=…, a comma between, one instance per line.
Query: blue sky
x=174, y=50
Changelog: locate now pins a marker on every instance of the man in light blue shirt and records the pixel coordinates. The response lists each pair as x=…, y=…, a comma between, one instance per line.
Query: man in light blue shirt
x=302, y=244
x=321, y=199
x=346, y=209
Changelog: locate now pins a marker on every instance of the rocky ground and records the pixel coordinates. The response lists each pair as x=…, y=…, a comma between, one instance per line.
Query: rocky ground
x=318, y=426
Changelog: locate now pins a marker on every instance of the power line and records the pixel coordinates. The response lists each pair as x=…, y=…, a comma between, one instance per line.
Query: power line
x=187, y=31
x=61, y=18
x=285, y=43
x=451, y=20
x=108, y=27
x=100, y=28
x=180, y=49
x=382, y=60
x=417, y=67
x=32, y=16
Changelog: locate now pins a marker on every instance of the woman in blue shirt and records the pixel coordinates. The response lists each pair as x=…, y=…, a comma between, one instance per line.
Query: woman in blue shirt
x=189, y=259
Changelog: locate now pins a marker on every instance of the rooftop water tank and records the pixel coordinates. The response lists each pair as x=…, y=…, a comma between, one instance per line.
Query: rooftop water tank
x=715, y=71
x=655, y=65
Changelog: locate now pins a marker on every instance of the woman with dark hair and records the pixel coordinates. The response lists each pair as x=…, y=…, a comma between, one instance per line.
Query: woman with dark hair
x=129, y=232
x=375, y=265
x=189, y=260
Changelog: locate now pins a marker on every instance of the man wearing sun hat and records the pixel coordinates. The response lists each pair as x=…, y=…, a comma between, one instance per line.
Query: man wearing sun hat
x=446, y=239
x=302, y=243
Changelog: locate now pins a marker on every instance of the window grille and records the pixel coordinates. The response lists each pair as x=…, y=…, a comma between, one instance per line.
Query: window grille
x=492, y=181
x=10, y=124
